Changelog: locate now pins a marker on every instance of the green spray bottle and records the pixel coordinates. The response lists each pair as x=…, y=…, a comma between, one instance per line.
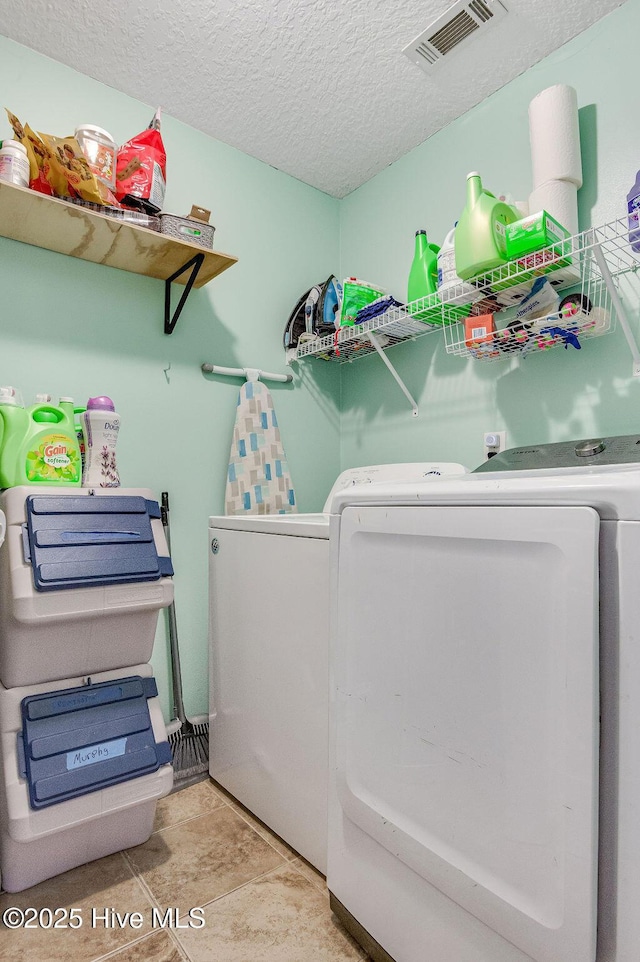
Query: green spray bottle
x=423, y=276
x=480, y=243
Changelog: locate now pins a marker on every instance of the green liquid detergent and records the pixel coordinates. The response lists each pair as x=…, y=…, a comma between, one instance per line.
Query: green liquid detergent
x=38, y=445
x=423, y=276
x=480, y=239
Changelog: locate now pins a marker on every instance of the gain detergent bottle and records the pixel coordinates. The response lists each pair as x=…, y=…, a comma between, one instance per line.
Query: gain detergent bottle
x=480, y=238
x=38, y=445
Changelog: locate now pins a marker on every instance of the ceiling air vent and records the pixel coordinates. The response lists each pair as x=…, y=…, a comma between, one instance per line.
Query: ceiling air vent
x=460, y=23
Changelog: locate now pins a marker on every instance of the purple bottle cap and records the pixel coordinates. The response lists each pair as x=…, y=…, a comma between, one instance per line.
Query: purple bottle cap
x=100, y=404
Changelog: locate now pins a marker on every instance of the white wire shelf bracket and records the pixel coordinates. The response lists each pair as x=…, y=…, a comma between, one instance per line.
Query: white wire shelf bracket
x=588, y=265
x=376, y=344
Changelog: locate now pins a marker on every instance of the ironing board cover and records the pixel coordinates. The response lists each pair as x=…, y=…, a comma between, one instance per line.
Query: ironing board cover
x=258, y=479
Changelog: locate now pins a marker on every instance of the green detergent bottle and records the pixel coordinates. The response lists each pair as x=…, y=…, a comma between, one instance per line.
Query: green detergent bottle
x=480, y=243
x=38, y=445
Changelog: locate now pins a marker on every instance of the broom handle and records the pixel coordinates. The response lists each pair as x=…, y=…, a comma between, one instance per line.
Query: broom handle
x=176, y=673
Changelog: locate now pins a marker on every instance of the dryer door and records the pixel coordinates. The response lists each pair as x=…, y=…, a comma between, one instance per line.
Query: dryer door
x=466, y=708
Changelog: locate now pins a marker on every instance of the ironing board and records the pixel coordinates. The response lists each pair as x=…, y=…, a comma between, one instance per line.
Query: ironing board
x=258, y=479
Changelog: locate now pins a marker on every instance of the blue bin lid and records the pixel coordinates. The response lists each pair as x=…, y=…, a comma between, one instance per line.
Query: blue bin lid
x=74, y=542
x=79, y=740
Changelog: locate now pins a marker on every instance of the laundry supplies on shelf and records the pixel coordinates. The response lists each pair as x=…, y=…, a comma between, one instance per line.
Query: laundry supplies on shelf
x=633, y=212
x=38, y=445
x=480, y=238
x=452, y=288
x=100, y=428
x=356, y=294
x=423, y=276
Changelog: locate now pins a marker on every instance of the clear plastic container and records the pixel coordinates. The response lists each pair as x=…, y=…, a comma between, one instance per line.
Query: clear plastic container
x=101, y=151
x=14, y=163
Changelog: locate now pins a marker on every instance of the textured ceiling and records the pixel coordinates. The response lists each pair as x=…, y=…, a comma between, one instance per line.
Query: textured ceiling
x=319, y=89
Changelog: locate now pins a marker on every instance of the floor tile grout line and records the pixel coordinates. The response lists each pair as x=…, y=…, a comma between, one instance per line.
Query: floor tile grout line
x=115, y=952
x=184, y=821
x=320, y=886
x=123, y=853
x=154, y=902
x=236, y=806
x=140, y=878
x=245, y=818
x=243, y=885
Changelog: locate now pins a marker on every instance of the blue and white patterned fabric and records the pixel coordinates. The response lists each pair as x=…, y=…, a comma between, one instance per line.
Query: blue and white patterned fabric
x=258, y=480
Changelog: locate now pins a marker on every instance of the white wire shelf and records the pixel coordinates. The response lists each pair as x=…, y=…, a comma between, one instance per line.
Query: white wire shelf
x=587, y=313
x=585, y=265
x=395, y=326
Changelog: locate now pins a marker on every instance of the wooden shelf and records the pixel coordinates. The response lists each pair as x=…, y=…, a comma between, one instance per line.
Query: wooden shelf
x=55, y=225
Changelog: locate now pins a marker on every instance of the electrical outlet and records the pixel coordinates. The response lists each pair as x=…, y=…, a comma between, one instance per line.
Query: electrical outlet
x=494, y=442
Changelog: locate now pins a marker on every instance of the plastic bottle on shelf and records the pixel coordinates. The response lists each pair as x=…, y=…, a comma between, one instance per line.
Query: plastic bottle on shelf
x=452, y=289
x=100, y=150
x=423, y=276
x=633, y=211
x=14, y=163
x=64, y=403
x=480, y=238
x=77, y=423
x=37, y=444
x=9, y=395
x=100, y=426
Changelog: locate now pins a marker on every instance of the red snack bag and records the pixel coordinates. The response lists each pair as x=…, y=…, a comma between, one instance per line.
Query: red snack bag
x=141, y=169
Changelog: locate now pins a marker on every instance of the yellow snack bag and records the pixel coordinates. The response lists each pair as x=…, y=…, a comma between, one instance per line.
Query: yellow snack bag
x=69, y=165
x=57, y=165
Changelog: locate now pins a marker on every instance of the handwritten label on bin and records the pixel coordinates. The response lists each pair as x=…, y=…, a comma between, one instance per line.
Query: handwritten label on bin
x=96, y=753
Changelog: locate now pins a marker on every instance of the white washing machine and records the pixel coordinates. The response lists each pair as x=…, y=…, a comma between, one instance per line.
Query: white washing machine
x=484, y=801
x=269, y=638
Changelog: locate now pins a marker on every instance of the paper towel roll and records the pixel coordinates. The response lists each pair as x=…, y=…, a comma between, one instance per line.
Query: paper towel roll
x=555, y=136
x=560, y=199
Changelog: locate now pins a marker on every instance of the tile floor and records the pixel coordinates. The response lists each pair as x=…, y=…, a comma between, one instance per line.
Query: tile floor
x=261, y=902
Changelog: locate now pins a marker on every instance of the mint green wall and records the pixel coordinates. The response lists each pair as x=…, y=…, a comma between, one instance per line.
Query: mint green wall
x=547, y=397
x=69, y=327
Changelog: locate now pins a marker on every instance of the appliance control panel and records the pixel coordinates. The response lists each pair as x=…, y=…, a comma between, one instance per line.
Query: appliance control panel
x=623, y=449
x=406, y=472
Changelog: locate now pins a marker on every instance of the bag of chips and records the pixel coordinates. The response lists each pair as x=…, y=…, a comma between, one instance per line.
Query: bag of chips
x=57, y=165
x=141, y=169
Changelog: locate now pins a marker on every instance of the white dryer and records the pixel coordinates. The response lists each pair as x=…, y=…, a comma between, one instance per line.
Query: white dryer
x=484, y=800
x=269, y=639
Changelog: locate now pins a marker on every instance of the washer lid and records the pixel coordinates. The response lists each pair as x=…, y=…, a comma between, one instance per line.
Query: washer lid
x=613, y=490
x=587, y=452
x=292, y=525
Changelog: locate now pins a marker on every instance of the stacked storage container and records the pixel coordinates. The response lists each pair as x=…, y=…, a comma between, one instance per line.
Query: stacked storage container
x=83, y=749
